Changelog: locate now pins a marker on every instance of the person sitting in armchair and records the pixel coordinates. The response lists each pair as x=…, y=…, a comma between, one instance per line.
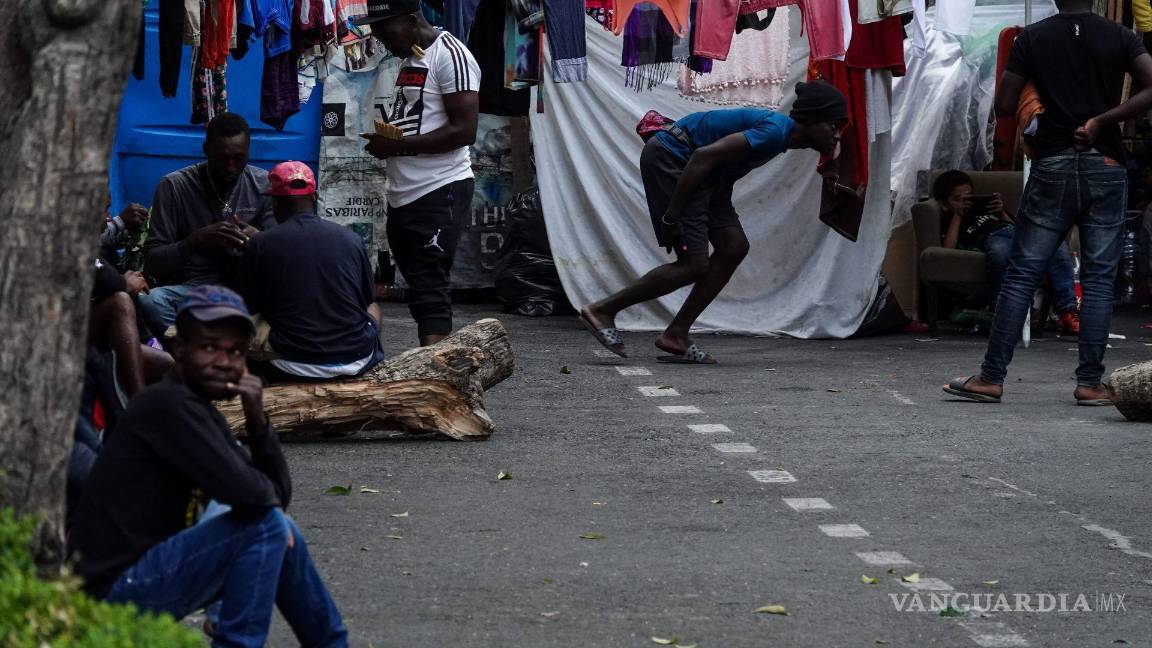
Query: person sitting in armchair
x=966, y=225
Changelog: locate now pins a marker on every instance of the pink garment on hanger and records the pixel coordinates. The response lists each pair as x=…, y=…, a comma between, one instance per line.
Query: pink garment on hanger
x=715, y=27
x=824, y=22
x=752, y=6
x=676, y=11
x=754, y=74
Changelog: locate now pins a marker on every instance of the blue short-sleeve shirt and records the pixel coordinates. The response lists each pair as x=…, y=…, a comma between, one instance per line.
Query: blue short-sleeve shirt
x=767, y=132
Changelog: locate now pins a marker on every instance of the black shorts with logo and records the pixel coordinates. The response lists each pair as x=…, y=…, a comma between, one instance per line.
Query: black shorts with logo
x=709, y=208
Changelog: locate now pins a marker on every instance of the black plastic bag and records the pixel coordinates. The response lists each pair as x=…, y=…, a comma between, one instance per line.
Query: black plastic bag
x=526, y=278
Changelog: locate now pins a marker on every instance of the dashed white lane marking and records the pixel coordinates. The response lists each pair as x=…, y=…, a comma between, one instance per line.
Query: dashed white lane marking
x=901, y=397
x=1013, y=487
x=808, y=503
x=844, y=531
x=709, y=428
x=633, y=371
x=680, y=409
x=884, y=558
x=928, y=585
x=772, y=476
x=653, y=390
x=1120, y=541
x=734, y=448
x=604, y=353
x=989, y=634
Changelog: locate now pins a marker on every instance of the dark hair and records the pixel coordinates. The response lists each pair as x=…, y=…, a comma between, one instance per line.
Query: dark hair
x=227, y=124
x=947, y=182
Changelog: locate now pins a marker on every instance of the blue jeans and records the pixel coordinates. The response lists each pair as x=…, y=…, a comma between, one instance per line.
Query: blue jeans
x=1084, y=189
x=158, y=307
x=1061, y=269
x=247, y=565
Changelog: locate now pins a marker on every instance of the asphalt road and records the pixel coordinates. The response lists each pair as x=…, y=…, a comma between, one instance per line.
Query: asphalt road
x=686, y=540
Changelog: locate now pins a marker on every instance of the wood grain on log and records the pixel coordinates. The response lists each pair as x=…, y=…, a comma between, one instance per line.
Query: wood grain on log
x=1132, y=388
x=437, y=389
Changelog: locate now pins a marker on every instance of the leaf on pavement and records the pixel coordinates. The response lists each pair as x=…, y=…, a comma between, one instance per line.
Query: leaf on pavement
x=549, y=614
x=717, y=501
x=399, y=515
x=501, y=476
x=394, y=537
x=549, y=581
x=952, y=612
x=591, y=536
x=565, y=370
x=339, y=490
x=834, y=391
x=911, y=578
x=991, y=583
x=365, y=489
x=869, y=580
x=665, y=642
x=773, y=609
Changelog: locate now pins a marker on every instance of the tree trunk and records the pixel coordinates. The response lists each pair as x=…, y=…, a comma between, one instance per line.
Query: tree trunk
x=1132, y=388
x=436, y=389
x=63, y=67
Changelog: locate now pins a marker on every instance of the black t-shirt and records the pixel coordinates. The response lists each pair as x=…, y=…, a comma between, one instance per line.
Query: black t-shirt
x=170, y=449
x=312, y=281
x=974, y=229
x=1077, y=61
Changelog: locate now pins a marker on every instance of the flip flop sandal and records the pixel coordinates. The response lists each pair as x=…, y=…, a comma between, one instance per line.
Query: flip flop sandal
x=692, y=356
x=959, y=388
x=609, y=338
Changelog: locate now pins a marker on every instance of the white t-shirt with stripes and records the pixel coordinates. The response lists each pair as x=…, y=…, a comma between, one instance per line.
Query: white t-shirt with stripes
x=447, y=67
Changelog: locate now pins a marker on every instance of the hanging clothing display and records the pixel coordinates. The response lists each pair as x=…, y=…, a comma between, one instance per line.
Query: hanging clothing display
x=876, y=10
x=1142, y=15
x=487, y=46
x=171, y=32
x=216, y=29
x=209, y=90
x=675, y=11
x=918, y=30
x=459, y=16
x=955, y=16
x=279, y=94
x=647, y=54
x=876, y=45
x=564, y=25
x=824, y=22
x=878, y=87
x=753, y=75
x=522, y=45
x=716, y=22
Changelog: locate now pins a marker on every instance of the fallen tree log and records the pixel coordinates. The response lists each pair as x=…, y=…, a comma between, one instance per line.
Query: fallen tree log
x=1132, y=391
x=435, y=389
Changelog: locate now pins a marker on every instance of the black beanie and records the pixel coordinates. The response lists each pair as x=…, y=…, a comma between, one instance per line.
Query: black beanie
x=818, y=101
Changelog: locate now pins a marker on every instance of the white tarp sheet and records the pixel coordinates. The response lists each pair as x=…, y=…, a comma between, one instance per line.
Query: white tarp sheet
x=800, y=279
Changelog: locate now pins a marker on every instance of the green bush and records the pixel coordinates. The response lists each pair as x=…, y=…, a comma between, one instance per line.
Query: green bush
x=36, y=613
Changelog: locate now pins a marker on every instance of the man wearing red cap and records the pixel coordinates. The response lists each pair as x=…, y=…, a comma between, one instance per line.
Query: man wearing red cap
x=311, y=283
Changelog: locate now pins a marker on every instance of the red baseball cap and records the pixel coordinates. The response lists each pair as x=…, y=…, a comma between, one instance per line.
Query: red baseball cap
x=291, y=179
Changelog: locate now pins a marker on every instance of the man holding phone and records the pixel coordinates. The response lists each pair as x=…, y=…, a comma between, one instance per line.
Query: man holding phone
x=980, y=222
x=202, y=217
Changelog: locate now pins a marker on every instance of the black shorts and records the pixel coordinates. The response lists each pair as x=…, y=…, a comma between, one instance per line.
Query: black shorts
x=709, y=208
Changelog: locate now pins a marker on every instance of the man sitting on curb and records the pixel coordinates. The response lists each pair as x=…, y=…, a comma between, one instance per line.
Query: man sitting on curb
x=202, y=217
x=172, y=449
x=311, y=283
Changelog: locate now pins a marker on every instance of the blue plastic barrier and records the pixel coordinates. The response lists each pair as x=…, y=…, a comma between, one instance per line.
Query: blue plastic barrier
x=154, y=136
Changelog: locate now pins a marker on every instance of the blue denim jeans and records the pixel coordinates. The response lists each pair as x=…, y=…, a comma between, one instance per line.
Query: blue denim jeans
x=1061, y=269
x=158, y=307
x=247, y=565
x=1084, y=189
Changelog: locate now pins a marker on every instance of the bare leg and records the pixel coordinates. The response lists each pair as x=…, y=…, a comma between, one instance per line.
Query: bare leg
x=156, y=363
x=730, y=246
x=112, y=325
x=658, y=282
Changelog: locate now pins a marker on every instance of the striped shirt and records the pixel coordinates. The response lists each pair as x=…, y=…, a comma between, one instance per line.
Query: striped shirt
x=447, y=67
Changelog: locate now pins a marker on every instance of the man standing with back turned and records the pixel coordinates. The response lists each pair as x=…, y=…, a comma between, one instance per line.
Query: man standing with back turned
x=1077, y=61
x=430, y=179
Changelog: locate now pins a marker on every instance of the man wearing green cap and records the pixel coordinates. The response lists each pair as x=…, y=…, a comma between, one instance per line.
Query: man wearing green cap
x=689, y=169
